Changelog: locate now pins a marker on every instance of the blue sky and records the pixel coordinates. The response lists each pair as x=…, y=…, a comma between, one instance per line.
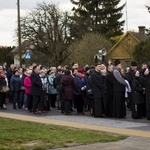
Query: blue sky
x=137, y=15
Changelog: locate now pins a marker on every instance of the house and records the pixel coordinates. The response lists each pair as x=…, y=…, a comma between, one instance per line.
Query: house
x=123, y=49
x=26, y=46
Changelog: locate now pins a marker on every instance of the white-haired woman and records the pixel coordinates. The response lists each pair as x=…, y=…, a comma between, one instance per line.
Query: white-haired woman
x=27, y=84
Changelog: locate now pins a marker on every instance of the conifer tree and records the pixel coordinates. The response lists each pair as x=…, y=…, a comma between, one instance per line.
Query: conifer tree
x=102, y=16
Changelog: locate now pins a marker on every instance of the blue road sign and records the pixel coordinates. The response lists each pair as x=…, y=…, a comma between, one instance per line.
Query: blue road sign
x=27, y=55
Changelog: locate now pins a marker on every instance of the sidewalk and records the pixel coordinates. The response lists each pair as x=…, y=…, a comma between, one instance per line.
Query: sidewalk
x=131, y=143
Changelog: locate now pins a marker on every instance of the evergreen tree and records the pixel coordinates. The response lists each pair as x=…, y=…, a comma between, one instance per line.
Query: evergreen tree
x=141, y=52
x=102, y=16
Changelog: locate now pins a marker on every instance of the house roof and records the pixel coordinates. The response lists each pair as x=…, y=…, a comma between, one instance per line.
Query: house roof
x=140, y=37
x=137, y=36
x=25, y=46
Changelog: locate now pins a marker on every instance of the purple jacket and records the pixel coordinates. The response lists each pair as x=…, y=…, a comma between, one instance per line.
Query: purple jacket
x=69, y=86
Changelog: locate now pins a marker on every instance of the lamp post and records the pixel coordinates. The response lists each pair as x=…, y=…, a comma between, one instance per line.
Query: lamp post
x=19, y=33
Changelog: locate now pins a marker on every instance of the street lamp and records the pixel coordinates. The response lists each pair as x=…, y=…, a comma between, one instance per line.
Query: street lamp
x=19, y=33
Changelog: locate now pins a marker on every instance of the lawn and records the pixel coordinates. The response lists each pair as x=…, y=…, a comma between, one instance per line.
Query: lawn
x=27, y=135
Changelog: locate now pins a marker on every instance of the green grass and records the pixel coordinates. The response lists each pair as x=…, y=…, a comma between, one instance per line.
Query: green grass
x=27, y=135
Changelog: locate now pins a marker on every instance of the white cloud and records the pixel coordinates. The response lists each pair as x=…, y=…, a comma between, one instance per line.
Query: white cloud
x=137, y=15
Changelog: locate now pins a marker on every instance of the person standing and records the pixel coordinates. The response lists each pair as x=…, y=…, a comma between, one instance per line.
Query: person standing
x=15, y=85
x=36, y=89
x=45, y=85
x=68, y=87
x=81, y=88
x=138, y=93
x=9, y=74
x=98, y=88
x=57, y=87
x=27, y=85
x=147, y=73
x=52, y=91
x=3, y=83
x=119, y=84
x=130, y=76
x=110, y=91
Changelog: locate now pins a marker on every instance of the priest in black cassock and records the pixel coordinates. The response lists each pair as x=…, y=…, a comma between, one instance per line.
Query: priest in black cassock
x=119, y=84
x=98, y=88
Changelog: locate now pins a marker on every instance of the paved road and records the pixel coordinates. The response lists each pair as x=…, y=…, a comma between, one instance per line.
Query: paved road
x=128, y=123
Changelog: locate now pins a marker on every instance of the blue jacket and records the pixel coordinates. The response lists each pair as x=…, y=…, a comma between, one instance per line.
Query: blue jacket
x=15, y=83
x=80, y=82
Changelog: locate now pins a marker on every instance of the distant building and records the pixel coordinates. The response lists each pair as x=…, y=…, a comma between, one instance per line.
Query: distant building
x=26, y=46
x=123, y=49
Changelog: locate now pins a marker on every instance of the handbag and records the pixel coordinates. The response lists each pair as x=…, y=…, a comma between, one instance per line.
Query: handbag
x=89, y=91
x=5, y=89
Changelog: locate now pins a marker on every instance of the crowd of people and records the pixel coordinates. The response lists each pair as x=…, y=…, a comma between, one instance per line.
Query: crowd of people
x=103, y=90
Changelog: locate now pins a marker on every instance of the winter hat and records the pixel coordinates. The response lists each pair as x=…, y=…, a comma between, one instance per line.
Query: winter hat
x=87, y=68
x=117, y=62
x=80, y=71
x=133, y=63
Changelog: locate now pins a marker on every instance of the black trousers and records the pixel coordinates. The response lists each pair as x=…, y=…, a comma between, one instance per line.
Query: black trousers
x=29, y=102
x=79, y=103
x=2, y=99
x=36, y=102
x=53, y=99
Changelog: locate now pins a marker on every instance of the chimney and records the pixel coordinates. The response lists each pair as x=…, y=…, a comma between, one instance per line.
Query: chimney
x=141, y=29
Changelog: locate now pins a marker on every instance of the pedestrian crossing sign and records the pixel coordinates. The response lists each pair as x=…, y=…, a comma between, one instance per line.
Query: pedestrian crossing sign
x=27, y=55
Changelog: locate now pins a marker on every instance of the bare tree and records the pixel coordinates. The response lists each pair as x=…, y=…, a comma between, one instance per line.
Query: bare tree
x=83, y=51
x=47, y=28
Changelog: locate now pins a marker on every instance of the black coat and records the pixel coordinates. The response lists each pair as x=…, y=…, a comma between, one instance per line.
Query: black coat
x=98, y=84
x=98, y=93
x=9, y=75
x=137, y=91
x=110, y=93
x=15, y=83
x=130, y=76
x=119, y=110
x=109, y=83
x=36, y=87
x=148, y=97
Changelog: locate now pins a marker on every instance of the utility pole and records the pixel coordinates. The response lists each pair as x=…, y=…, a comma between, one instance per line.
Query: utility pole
x=19, y=33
